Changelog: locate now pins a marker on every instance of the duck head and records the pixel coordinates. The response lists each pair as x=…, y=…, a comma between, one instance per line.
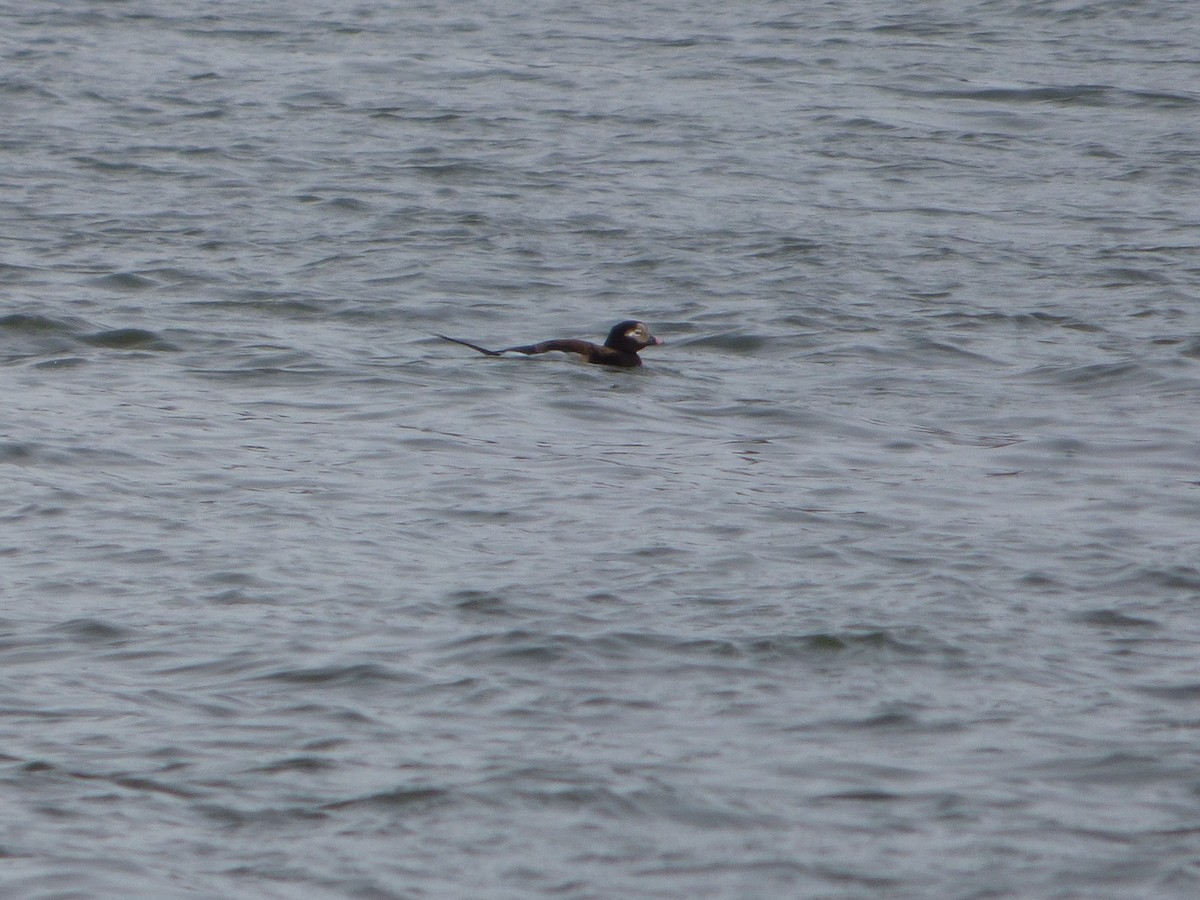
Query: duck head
x=630, y=336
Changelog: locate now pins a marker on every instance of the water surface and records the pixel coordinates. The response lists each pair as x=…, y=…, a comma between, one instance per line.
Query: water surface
x=879, y=579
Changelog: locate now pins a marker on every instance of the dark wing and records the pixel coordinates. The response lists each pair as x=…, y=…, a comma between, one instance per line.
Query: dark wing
x=593, y=353
x=482, y=350
x=584, y=348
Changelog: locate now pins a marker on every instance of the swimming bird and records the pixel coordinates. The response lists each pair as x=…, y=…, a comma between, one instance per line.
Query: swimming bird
x=620, y=347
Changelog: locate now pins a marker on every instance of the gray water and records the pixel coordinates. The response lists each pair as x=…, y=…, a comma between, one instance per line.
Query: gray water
x=879, y=579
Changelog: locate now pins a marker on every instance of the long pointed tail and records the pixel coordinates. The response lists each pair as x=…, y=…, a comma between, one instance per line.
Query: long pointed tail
x=483, y=350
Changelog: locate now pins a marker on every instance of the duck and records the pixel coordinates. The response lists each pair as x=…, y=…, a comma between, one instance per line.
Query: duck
x=620, y=348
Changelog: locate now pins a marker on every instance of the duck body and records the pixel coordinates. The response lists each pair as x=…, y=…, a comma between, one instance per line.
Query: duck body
x=620, y=348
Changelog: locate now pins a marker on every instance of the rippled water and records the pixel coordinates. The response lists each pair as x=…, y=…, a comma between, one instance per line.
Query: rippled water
x=879, y=579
